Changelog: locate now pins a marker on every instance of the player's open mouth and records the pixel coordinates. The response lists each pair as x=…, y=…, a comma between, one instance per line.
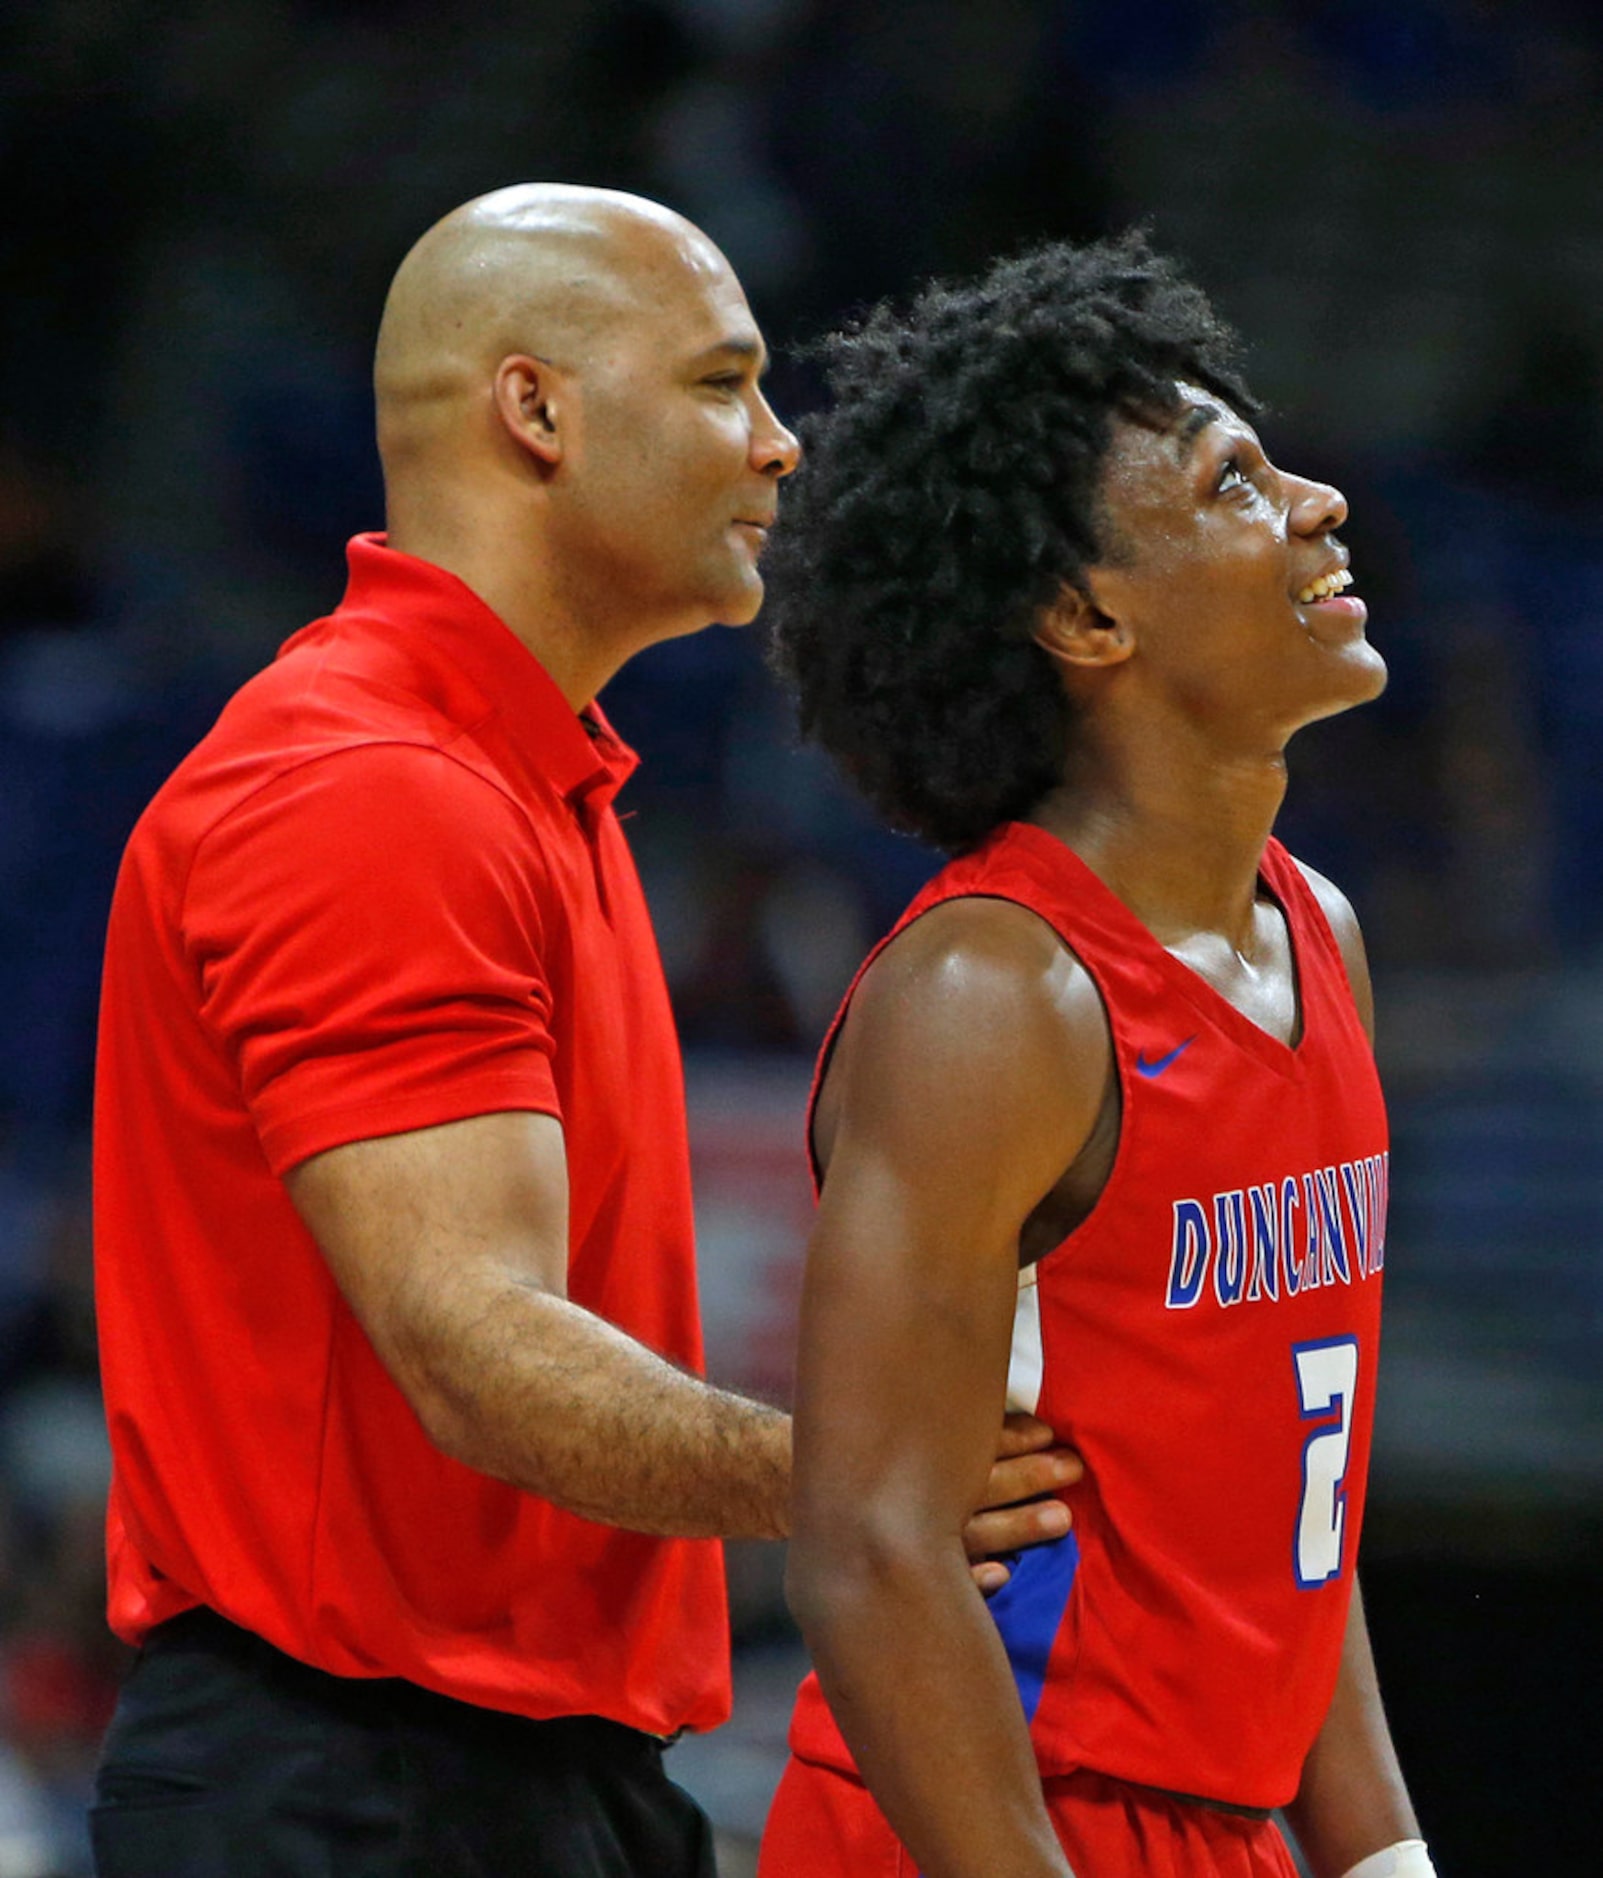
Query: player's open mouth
x=1325, y=588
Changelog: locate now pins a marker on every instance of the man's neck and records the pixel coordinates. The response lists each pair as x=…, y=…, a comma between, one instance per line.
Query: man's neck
x=1179, y=841
x=523, y=597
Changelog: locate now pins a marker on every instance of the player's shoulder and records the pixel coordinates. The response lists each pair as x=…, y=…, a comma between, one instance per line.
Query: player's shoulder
x=1333, y=903
x=973, y=1025
x=986, y=968
x=1344, y=927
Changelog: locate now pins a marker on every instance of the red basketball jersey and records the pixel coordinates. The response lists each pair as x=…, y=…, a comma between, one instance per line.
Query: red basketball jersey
x=1207, y=1340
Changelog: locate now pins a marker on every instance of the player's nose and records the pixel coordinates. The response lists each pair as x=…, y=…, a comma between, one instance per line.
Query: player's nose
x=1316, y=508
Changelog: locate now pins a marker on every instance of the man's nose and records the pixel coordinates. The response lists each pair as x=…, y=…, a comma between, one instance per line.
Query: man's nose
x=776, y=449
x=1316, y=508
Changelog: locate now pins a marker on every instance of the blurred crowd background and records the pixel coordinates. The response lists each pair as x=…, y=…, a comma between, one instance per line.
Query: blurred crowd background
x=1400, y=202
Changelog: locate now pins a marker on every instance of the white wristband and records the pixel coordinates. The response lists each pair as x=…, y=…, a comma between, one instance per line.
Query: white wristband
x=1407, y=1859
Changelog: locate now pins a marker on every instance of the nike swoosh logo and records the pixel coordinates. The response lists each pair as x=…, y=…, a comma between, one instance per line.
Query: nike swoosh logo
x=1157, y=1068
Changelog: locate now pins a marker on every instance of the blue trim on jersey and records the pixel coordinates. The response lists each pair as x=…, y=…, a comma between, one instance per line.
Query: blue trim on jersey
x=1029, y=1612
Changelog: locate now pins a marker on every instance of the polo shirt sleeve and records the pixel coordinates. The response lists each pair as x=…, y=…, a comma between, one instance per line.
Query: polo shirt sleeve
x=368, y=931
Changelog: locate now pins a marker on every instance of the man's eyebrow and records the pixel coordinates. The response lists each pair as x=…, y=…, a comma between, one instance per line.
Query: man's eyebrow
x=738, y=349
x=1192, y=425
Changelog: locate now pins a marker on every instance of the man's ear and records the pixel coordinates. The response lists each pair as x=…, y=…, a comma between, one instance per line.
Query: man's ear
x=1075, y=631
x=531, y=400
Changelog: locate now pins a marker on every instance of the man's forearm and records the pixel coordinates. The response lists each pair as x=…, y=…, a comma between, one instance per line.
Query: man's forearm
x=451, y=1246
x=544, y=1394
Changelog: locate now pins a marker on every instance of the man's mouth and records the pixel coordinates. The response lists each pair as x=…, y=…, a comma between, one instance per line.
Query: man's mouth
x=1326, y=587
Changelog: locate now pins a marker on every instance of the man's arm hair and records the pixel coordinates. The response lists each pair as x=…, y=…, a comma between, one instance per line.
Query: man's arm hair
x=450, y=1245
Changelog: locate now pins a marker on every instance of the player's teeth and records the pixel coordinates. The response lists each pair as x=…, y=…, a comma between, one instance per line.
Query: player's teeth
x=1324, y=587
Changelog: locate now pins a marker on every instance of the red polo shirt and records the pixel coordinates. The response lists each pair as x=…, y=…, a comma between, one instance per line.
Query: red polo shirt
x=387, y=891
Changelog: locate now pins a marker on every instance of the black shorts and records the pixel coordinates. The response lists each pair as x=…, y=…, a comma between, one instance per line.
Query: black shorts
x=228, y=1759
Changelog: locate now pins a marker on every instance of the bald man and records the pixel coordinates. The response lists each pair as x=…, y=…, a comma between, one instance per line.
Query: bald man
x=417, y=1487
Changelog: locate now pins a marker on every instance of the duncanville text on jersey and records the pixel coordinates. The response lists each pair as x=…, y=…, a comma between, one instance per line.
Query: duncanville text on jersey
x=1263, y=1243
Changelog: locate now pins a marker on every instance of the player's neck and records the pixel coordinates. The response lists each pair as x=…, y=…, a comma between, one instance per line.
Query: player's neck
x=1179, y=841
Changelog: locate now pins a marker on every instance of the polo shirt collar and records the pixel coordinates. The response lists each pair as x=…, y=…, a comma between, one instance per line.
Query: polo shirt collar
x=580, y=754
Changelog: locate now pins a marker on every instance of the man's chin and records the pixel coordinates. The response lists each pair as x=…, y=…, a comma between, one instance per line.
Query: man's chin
x=741, y=608
x=733, y=607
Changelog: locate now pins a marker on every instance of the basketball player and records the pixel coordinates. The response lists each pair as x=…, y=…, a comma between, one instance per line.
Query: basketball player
x=1098, y=1129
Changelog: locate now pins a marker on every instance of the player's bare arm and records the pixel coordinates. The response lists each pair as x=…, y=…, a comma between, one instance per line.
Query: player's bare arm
x=450, y=1244
x=973, y=1066
x=1352, y=1801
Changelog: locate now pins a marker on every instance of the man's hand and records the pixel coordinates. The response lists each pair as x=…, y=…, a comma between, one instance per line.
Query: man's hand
x=1015, y=1512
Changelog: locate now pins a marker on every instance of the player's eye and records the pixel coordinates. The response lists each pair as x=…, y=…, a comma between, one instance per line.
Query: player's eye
x=1233, y=476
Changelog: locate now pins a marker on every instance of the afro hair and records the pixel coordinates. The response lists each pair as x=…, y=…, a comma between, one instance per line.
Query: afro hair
x=948, y=494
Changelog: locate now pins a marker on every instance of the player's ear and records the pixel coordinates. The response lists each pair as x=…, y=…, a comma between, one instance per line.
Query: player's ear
x=1075, y=631
x=531, y=400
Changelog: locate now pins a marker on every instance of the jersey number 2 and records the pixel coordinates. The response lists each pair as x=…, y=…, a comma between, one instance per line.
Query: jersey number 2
x=1327, y=1375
